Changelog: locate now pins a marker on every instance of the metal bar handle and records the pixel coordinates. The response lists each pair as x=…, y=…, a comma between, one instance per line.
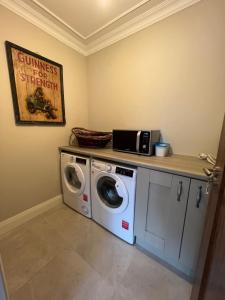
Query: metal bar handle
x=199, y=196
x=208, y=172
x=138, y=141
x=179, y=190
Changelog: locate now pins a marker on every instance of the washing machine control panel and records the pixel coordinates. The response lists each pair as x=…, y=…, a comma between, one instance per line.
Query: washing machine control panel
x=99, y=166
x=81, y=161
x=125, y=172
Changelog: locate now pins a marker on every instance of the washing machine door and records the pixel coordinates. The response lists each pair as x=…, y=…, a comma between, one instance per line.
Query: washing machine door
x=74, y=178
x=111, y=192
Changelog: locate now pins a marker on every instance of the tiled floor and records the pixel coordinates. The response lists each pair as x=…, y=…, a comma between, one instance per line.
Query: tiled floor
x=61, y=255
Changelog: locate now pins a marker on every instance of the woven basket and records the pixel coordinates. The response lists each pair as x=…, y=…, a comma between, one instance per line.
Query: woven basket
x=90, y=138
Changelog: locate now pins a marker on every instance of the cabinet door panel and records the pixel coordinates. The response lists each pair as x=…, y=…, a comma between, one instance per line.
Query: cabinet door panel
x=167, y=200
x=157, y=214
x=194, y=223
x=142, y=190
x=160, y=178
x=176, y=214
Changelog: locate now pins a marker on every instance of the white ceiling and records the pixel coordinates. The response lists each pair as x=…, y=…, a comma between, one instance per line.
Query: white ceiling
x=86, y=17
x=90, y=25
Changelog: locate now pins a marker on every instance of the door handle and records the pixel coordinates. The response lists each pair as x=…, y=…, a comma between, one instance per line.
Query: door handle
x=138, y=141
x=213, y=177
x=199, y=197
x=179, y=190
x=212, y=174
x=208, y=172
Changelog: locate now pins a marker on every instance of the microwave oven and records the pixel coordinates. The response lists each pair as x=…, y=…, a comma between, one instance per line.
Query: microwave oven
x=135, y=141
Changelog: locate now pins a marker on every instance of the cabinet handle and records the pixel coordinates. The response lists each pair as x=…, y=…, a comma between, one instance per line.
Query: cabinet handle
x=199, y=197
x=179, y=191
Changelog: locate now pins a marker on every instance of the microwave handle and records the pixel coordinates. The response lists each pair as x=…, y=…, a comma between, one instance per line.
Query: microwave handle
x=138, y=141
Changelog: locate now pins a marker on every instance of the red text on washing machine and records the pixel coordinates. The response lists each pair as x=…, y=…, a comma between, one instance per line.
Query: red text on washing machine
x=125, y=225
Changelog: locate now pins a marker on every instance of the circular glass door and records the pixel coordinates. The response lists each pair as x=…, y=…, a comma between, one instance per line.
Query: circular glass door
x=112, y=193
x=74, y=178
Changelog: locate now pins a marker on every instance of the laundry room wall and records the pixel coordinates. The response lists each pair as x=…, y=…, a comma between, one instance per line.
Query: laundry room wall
x=29, y=166
x=169, y=76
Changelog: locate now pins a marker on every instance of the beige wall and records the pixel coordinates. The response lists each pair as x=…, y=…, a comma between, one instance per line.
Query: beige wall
x=169, y=76
x=29, y=169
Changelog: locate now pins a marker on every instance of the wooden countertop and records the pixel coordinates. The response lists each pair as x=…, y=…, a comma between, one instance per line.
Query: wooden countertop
x=180, y=164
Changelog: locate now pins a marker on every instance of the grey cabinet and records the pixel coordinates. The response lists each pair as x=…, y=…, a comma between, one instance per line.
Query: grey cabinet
x=161, y=201
x=194, y=224
x=169, y=217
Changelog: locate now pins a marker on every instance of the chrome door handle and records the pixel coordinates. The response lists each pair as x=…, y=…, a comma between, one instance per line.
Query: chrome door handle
x=199, y=197
x=138, y=141
x=212, y=174
x=179, y=190
x=208, y=172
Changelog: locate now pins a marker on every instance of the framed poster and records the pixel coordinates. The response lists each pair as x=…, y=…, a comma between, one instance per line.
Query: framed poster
x=37, y=87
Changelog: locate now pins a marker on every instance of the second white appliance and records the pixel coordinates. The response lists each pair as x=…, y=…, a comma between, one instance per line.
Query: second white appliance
x=113, y=197
x=75, y=174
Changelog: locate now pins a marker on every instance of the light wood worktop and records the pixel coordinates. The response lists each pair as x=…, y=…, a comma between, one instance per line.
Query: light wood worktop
x=180, y=164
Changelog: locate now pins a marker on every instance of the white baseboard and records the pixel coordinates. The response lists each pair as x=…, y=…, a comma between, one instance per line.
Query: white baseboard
x=29, y=214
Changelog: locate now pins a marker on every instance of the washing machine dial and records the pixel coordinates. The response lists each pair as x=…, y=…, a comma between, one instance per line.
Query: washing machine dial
x=108, y=168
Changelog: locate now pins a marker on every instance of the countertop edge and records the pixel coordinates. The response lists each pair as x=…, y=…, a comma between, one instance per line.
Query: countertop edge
x=132, y=162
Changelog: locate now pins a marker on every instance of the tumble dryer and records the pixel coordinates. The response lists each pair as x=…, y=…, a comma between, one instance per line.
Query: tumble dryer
x=75, y=176
x=113, y=197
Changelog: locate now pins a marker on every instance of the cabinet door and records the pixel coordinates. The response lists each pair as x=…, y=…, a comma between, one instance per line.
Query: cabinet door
x=161, y=201
x=194, y=224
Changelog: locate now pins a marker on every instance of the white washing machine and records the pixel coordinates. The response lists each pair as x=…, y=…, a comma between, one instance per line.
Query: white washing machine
x=113, y=197
x=75, y=174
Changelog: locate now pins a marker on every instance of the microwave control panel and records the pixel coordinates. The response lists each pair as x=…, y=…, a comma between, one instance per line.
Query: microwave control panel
x=144, y=144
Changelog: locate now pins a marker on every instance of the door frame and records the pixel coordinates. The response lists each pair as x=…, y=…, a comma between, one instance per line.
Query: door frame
x=210, y=231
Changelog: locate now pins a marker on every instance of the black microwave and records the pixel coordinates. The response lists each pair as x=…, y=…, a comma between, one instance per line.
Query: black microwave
x=135, y=141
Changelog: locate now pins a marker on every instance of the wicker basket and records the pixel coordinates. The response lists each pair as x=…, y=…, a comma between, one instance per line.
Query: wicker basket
x=90, y=138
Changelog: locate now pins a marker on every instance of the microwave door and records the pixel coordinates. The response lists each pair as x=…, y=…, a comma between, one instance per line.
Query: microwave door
x=138, y=141
x=125, y=140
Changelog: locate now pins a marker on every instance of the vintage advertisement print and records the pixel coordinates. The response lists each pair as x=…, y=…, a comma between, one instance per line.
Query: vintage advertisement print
x=37, y=87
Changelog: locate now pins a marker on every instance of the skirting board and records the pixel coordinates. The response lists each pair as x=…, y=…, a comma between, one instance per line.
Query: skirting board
x=29, y=214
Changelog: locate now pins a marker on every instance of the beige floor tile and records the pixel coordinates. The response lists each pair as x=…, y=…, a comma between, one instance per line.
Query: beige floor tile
x=27, y=250
x=122, y=293
x=21, y=227
x=176, y=288
x=72, y=226
x=64, y=256
x=23, y=293
x=148, y=280
x=107, y=254
x=66, y=277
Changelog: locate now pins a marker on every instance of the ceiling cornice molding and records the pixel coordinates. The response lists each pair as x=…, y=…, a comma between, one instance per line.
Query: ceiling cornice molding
x=95, y=31
x=153, y=15
x=58, y=18
x=29, y=14
x=150, y=17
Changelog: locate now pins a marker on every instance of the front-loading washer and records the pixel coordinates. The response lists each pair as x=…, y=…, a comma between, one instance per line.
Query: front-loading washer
x=75, y=178
x=113, y=197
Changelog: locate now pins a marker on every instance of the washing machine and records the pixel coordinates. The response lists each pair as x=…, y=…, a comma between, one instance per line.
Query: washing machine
x=113, y=197
x=75, y=176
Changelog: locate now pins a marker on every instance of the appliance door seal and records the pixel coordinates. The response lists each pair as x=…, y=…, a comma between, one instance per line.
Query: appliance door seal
x=74, y=178
x=111, y=192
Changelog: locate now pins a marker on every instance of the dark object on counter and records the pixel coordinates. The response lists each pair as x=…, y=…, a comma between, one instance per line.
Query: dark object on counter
x=90, y=138
x=135, y=141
